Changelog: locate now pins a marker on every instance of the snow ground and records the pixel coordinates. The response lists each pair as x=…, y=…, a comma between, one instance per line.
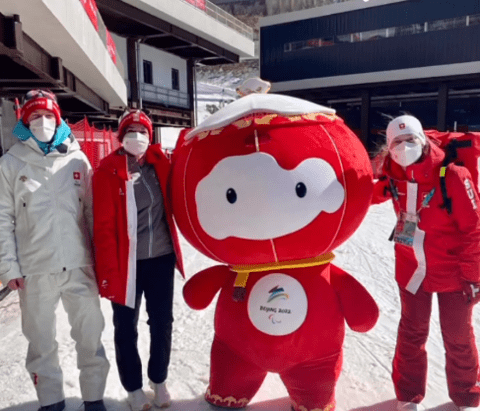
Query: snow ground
x=364, y=385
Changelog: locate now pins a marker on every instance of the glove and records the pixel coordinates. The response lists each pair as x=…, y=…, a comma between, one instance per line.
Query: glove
x=16, y=283
x=471, y=292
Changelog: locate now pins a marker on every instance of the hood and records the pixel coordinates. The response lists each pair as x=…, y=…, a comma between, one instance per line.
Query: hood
x=423, y=171
x=29, y=151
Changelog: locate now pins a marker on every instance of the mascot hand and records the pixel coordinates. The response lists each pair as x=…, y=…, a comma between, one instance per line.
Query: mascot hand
x=199, y=291
x=359, y=308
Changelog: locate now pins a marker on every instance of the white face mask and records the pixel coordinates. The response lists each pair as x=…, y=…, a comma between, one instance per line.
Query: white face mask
x=406, y=153
x=43, y=128
x=135, y=143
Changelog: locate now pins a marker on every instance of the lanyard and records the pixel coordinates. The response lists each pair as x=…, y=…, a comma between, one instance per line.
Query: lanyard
x=426, y=200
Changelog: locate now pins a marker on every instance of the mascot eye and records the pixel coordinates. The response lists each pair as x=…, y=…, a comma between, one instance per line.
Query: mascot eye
x=301, y=190
x=231, y=195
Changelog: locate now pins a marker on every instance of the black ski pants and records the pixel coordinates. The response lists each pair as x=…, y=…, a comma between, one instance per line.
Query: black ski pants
x=154, y=280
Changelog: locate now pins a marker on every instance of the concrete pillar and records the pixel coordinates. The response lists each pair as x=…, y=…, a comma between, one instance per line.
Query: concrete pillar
x=132, y=71
x=365, y=119
x=442, y=107
x=8, y=120
x=191, y=90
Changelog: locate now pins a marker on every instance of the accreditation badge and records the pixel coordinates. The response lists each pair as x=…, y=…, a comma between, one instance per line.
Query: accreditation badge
x=405, y=229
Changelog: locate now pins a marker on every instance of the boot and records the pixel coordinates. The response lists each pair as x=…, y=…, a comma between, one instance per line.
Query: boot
x=138, y=401
x=407, y=406
x=94, y=405
x=58, y=406
x=162, y=397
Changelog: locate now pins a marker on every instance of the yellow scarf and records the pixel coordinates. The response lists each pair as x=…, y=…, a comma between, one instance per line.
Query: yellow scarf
x=244, y=270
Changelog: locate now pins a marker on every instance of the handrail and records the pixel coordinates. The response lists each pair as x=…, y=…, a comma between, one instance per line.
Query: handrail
x=221, y=16
x=169, y=97
x=282, y=10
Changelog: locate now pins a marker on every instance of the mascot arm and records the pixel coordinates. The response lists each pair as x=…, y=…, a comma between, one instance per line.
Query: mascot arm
x=359, y=308
x=200, y=290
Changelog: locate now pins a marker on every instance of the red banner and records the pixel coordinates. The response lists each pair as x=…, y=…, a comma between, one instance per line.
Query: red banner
x=111, y=47
x=90, y=7
x=197, y=3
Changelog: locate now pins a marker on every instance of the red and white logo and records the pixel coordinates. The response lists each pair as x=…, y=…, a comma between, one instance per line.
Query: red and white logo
x=77, y=175
x=401, y=126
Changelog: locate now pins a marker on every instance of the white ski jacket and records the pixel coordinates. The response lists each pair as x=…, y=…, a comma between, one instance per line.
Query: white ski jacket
x=45, y=210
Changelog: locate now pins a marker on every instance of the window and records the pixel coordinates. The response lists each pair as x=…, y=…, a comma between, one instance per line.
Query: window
x=175, y=79
x=378, y=34
x=473, y=20
x=447, y=24
x=147, y=72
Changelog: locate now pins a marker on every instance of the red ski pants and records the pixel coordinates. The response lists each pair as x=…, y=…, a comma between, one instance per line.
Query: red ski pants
x=410, y=361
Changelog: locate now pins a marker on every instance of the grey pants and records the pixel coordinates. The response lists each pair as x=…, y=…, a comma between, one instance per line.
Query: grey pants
x=38, y=301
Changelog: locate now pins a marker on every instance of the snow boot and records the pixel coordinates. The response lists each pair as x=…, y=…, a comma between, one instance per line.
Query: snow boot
x=162, y=396
x=58, y=406
x=138, y=401
x=94, y=405
x=407, y=406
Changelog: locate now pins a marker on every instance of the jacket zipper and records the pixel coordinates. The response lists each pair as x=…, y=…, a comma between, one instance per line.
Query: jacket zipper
x=150, y=219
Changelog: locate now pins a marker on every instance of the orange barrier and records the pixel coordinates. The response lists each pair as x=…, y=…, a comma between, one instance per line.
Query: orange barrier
x=95, y=143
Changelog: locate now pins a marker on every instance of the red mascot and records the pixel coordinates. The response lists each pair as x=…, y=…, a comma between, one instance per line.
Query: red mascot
x=269, y=186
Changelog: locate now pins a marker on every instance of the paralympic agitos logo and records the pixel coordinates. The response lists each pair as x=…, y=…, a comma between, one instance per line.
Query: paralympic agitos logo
x=276, y=294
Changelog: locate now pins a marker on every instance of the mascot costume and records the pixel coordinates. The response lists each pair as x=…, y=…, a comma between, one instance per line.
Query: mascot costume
x=268, y=186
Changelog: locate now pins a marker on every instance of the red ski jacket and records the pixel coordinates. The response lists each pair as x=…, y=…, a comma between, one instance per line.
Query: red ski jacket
x=446, y=247
x=113, y=231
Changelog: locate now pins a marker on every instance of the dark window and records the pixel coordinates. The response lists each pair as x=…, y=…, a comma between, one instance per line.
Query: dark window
x=147, y=72
x=175, y=79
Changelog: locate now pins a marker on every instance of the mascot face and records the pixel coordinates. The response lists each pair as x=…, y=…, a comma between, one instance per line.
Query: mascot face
x=260, y=187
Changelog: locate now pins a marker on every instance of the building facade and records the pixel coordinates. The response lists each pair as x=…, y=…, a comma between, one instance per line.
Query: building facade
x=374, y=60
x=101, y=56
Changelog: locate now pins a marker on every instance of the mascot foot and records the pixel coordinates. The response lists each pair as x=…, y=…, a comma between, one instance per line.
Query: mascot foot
x=329, y=407
x=228, y=402
x=212, y=407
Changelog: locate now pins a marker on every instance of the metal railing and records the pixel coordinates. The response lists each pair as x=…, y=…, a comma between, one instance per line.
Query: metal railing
x=222, y=16
x=284, y=7
x=168, y=97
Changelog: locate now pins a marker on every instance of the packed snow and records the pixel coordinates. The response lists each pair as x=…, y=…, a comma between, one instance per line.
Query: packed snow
x=365, y=383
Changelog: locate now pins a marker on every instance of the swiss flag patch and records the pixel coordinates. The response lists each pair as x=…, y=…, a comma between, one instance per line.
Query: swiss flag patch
x=76, y=175
x=401, y=126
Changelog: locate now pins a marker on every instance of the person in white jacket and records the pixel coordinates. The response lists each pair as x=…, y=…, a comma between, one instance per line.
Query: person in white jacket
x=45, y=249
